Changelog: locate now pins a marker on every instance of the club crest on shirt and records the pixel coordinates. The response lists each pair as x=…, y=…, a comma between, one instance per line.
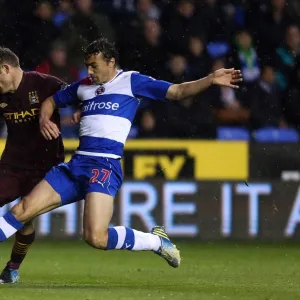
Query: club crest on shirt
x=2, y=105
x=100, y=90
x=33, y=97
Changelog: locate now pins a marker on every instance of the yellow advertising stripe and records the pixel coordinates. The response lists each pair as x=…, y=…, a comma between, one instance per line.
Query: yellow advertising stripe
x=214, y=160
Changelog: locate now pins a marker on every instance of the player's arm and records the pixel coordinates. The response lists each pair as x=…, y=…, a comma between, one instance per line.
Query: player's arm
x=76, y=116
x=62, y=98
x=48, y=128
x=146, y=87
x=223, y=77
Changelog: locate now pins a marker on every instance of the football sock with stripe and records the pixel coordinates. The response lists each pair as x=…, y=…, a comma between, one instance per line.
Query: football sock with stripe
x=20, y=249
x=121, y=237
x=9, y=225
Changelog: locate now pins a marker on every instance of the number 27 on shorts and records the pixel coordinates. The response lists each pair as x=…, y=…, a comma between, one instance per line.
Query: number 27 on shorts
x=96, y=173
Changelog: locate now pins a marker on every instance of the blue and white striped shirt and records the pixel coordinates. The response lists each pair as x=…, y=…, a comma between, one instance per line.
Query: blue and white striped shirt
x=109, y=109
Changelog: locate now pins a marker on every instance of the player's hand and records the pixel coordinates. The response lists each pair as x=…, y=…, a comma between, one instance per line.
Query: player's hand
x=49, y=129
x=227, y=77
x=76, y=116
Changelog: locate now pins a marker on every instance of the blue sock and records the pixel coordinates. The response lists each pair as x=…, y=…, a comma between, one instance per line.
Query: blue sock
x=9, y=225
x=121, y=237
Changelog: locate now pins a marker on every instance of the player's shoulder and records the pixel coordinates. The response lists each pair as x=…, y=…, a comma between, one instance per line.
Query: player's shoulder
x=132, y=76
x=128, y=74
x=33, y=75
x=136, y=77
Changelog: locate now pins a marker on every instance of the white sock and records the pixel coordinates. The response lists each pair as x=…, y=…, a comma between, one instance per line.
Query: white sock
x=121, y=237
x=146, y=241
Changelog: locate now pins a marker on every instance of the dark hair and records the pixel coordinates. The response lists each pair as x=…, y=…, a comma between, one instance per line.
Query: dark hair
x=103, y=46
x=8, y=57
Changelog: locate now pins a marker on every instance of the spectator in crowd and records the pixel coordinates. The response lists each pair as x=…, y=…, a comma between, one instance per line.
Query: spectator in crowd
x=146, y=9
x=84, y=26
x=265, y=101
x=245, y=57
x=286, y=55
x=63, y=13
x=41, y=32
x=174, y=41
x=176, y=73
x=140, y=28
x=227, y=106
x=190, y=118
x=199, y=60
x=148, y=124
x=150, y=56
x=291, y=107
x=116, y=6
x=177, y=69
x=214, y=21
x=121, y=13
x=57, y=64
x=269, y=26
x=179, y=23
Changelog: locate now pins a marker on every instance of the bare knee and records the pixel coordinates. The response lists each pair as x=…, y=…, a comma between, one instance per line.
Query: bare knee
x=22, y=211
x=96, y=238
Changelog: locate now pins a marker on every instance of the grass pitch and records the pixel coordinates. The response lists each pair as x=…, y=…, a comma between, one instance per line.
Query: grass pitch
x=209, y=271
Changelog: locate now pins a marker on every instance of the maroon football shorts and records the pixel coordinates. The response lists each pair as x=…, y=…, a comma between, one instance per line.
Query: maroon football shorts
x=15, y=182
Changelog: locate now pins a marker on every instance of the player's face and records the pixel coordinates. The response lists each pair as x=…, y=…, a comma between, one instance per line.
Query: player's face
x=5, y=79
x=99, y=69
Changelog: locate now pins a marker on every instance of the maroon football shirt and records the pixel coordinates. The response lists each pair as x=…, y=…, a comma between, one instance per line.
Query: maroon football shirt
x=26, y=148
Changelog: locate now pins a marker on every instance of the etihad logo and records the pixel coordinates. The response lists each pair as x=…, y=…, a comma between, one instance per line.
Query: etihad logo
x=2, y=105
x=23, y=116
x=100, y=105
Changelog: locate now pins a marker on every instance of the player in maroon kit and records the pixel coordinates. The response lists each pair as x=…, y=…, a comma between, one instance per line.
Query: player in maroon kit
x=27, y=155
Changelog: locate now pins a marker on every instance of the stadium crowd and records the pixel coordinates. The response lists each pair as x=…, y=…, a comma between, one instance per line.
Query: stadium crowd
x=175, y=41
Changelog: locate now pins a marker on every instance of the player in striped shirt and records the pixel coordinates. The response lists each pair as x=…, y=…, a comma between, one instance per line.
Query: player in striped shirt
x=109, y=99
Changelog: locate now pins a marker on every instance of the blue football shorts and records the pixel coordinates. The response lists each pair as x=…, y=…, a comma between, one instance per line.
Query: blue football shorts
x=85, y=174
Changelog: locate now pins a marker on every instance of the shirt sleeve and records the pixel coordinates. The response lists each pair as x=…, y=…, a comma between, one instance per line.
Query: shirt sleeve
x=67, y=95
x=147, y=87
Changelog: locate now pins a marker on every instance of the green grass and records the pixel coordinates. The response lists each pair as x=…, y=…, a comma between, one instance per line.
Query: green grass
x=72, y=270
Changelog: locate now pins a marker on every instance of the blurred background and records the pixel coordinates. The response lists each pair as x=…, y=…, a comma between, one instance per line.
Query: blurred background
x=237, y=148
x=176, y=41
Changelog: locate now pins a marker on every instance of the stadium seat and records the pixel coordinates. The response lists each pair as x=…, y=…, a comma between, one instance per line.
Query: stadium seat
x=217, y=49
x=233, y=133
x=276, y=135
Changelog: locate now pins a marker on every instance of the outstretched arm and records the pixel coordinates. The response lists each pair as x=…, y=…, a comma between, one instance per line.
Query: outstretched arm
x=222, y=77
x=48, y=128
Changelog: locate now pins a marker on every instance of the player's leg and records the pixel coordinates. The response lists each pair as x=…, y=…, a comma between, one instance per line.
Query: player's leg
x=23, y=240
x=25, y=237
x=103, y=180
x=10, y=190
x=97, y=233
x=41, y=199
x=55, y=190
x=98, y=212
